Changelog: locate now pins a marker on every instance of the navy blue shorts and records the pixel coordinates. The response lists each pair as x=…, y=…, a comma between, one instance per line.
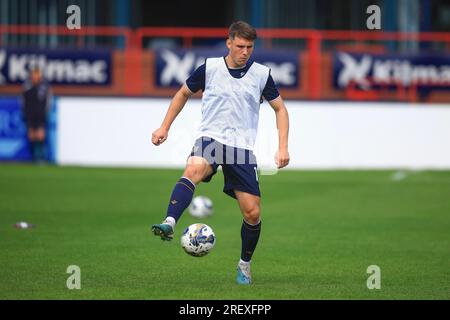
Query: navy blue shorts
x=36, y=120
x=238, y=165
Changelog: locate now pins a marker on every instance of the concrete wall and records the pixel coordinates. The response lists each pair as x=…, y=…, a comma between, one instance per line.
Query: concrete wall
x=323, y=135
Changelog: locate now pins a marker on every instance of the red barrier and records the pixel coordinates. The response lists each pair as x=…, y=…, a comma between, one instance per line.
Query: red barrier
x=315, y=56
x=313, y=38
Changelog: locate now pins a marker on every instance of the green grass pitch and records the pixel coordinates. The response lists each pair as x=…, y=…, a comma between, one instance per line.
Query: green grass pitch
x=320, y=232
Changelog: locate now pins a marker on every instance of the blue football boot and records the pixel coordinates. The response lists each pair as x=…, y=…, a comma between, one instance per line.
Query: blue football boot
x=243, y=274
x=164, y=230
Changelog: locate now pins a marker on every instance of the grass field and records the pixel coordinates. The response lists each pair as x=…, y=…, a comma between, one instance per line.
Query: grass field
x=320, y=232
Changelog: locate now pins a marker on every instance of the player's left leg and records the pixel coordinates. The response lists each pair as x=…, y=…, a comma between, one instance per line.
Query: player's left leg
x=36, y=137
x=241, y=182
x=40, y=143
x=250, y=231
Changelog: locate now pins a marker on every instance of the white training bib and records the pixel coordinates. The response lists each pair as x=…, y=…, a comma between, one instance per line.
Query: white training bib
x=230, y=106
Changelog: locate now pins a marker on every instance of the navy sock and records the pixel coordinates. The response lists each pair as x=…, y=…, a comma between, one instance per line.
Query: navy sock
x=41, y=150
x=250, y=236
x=34, y=150
x=31, y=149
x=181, y=198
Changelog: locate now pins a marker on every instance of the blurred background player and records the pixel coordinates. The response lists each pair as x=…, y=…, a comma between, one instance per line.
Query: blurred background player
x=35, y=106
x=232, y=89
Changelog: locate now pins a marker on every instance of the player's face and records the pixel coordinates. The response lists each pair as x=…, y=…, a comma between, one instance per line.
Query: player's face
x=35, y=77
x=240, y=51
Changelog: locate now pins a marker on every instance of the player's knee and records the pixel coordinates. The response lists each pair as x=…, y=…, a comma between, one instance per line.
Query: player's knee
x=31, y=135
x=252, y=214
x=191, y=172
x=195, y=172
x=40, y=135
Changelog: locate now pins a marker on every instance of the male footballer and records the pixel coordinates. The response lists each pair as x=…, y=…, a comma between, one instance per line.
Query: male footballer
x=233, y=87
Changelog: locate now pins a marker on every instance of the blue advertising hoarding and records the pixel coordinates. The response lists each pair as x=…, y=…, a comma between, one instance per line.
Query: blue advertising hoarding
x=60, y=67
x=373, y=71
x=14, y=144
x=173, y=67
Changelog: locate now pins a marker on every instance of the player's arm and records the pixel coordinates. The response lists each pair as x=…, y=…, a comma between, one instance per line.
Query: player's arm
x=282, y=118
x=176, y=105
x=48, y=103
x=24, y=101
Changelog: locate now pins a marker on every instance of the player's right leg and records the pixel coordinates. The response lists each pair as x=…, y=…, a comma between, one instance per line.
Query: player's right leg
x=250, y=231
x=197, y=169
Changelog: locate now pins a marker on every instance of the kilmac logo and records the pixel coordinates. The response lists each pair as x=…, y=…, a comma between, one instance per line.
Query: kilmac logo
x=176, y=66
x=368, y=70
x=2, y=62
x=57, y=67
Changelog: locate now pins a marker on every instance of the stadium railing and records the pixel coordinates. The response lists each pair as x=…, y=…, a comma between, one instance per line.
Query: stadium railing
x=134, y=61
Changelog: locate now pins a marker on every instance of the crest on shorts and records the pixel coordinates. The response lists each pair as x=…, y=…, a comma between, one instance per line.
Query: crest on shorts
x=194, y=149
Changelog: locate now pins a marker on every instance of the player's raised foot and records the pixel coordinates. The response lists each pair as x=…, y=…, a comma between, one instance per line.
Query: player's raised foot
x=164, y=230
x=243, y=274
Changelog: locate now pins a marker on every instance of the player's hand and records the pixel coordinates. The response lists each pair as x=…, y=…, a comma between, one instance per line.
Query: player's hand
x=282, y=158
x=159, y=136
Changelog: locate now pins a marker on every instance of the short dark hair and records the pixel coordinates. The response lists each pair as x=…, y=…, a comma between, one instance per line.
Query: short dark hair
x=243, y=30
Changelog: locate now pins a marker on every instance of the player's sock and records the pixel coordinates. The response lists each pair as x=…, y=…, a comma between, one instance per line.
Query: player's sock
x=181, y=198
x=33, y=150
x=37, y=151
x=41, y=150
x=244, y=263
x=170, y=221
x=249, y=235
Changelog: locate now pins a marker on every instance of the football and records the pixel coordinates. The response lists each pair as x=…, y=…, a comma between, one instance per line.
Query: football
x=198, y=239
x=201, y=207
